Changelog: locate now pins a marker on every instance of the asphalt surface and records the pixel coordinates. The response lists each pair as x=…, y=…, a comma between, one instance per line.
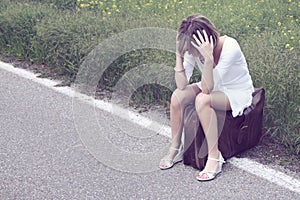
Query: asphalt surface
x=53, y=146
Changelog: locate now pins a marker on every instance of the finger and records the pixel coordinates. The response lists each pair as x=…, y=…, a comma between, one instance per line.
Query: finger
x=211, y=41
x=195, y=45
x=205, y=35
x=197, y=40
x=200, y=36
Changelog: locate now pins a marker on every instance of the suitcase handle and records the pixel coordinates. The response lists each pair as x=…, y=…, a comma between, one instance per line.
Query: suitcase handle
x=243, y=127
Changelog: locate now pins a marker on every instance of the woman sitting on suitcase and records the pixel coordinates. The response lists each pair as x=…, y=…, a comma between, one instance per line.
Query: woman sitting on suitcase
x=225, y=85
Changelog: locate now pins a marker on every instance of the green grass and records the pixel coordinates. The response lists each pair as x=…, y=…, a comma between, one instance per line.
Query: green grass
x=62, y=33
x=238, y=18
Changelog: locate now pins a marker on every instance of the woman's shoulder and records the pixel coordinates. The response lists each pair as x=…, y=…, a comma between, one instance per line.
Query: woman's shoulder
x=230, y=46
x=231, y=42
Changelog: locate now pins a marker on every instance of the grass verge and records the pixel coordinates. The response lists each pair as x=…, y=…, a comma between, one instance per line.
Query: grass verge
x=60, y=34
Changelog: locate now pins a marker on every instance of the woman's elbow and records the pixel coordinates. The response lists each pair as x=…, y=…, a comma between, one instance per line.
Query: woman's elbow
x=181, y=86
x=207, y=90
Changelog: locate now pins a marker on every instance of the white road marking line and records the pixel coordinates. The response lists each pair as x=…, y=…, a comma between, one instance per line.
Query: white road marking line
x=245, y=164
x=103, y=105
x=267, y=173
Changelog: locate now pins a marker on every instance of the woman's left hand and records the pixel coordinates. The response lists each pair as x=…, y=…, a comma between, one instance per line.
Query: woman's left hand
x=205, y=45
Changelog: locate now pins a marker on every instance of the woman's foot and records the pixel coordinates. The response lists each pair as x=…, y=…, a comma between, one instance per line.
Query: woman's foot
x=212, y=168
x=174, y=156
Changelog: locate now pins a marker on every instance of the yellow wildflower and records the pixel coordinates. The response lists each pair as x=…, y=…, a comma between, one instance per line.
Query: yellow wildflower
x=84, y=5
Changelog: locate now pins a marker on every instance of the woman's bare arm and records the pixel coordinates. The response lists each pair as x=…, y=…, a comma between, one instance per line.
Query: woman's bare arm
x=180, y=76
x=207, y=81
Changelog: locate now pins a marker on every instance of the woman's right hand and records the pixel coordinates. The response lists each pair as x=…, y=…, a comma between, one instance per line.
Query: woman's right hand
x=204, y=45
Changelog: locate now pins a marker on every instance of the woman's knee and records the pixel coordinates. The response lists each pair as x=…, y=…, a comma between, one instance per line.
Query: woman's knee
x=202, y=100
x=175, y=100
x=180, y=98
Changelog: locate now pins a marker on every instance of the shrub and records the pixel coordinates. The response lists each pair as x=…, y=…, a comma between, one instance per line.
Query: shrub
x=4, y=5
x=58, y=4
x=278, y=72
x=17, y=24
x=68, y=38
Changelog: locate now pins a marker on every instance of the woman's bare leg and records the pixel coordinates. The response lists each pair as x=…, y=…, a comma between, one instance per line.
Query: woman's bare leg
x=179, y=100
x=205, y=106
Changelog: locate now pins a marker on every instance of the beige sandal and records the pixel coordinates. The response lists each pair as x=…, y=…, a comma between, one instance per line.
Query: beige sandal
x=212, y=175
x=168, y=162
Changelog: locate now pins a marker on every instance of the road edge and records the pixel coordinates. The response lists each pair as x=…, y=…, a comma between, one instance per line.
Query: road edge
x=248, y=165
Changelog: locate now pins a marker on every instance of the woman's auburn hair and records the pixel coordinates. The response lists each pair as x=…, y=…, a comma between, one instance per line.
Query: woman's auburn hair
x=188, y=27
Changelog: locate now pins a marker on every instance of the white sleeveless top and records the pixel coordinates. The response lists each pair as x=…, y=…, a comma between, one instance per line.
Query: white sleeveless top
x=231, y=75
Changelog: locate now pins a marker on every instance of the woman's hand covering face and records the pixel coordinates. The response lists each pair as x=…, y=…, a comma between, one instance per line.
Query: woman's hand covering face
x=204, y=45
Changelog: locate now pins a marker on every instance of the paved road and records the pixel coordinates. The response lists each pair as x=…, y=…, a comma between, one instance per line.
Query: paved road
x=42, y=155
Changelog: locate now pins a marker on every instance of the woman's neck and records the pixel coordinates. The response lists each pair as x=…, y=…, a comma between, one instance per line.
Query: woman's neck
x=218, y=50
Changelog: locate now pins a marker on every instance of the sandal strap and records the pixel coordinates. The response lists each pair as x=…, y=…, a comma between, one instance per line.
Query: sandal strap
x=209, y=174
x=167, y=159
x=167, y=162
x=218, y=160
x=173, y=148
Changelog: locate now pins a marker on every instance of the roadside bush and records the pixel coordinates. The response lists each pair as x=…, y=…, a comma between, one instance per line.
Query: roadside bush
x=4, y=5
x=145, y=64
x=17, y=28
x=61, y=4
x=278, y=73
x=67, y=39
x=58, y=4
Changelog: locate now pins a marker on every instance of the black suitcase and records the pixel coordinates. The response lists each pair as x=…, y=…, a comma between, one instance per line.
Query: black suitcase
x=238, y=134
